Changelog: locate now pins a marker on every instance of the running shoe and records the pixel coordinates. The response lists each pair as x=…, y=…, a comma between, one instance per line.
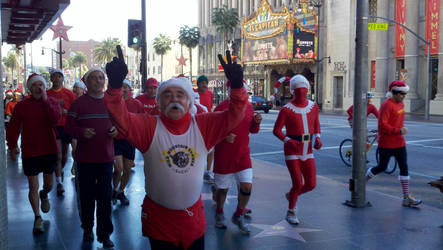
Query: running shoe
x=220, y=221
x=411, y=201
x=291, y=218
x=122, y=197
x=60, y=189
x=38, y=226
x=242, y=225
x=44, y=202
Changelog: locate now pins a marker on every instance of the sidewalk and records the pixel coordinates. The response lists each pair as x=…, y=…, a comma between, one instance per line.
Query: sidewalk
x=325, y=222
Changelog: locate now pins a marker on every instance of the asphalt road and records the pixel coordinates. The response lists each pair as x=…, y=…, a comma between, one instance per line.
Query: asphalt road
x=424, y=147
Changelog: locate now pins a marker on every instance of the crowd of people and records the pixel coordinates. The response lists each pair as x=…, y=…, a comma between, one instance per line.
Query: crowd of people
x=181, y=136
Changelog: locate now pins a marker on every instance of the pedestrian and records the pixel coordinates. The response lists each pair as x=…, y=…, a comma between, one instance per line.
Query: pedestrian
x=206, y=99
x=232, y=162
x=65, y=97
x=88, y=121
x=391, y=141
x=79, y=89
x=35, y=119
x=370, y=108
x=300, y=117
x=124, y=152
x=148, y=98
x=9, y=108
x=174, y=146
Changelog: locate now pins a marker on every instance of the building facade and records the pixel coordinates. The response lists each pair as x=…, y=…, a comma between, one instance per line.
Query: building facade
x=394, y=53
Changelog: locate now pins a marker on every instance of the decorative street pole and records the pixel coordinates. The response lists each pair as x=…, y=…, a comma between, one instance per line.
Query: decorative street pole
x=60, y=31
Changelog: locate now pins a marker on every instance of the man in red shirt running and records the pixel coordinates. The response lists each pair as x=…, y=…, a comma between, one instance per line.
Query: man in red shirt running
x=232, y=162
x=124, y=152
x=206, y=98
x=371, y=109
x=35, y=118
x=391, y=141
x=65, y=97
x=174, y=145
x=148, y=98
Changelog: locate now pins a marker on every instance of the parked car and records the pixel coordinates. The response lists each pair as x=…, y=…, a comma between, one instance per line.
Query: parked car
x=258, y=103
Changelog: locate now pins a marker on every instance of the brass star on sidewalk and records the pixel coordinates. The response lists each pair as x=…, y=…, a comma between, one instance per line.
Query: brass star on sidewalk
x=283, y=228
x=60, y=30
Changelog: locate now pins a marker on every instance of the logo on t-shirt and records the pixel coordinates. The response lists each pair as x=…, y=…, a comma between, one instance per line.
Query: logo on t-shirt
x=400, y=111
x=180, y=158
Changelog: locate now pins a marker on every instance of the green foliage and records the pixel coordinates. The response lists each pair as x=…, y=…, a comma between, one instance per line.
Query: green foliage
x=162, y=44
x=78, y=60
x=189, y=36
x=11, y=61
x=225, y=19
x=104, y=53
x=66, y=63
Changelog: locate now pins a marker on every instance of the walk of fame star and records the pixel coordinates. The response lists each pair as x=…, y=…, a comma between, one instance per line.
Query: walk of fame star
x=283, y=228
x=60, y=30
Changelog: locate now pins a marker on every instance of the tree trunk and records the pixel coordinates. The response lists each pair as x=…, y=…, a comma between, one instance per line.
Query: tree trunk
x=161, y=69
x=190, y=63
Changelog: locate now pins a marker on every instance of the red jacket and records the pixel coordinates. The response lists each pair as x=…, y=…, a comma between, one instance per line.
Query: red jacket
x=149, y=104
x=134, y=105
x=392, y=116
x=370, y=109
x=206, y=99
x=65, y=97
x=35, y=120
x=234, y=157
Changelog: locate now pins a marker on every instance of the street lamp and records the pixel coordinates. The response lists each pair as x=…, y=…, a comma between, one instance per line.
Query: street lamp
x=55, y=51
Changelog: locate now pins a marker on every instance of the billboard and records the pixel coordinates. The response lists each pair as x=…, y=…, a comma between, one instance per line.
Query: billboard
x=304, y=45
x=266, y=49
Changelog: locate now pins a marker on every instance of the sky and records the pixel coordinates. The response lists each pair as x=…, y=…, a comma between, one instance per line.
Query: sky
x=99, y=19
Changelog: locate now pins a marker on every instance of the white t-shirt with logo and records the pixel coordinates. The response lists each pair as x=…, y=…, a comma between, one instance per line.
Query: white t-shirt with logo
x=175, y=167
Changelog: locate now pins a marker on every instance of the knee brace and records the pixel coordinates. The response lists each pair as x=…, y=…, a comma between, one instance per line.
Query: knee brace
x=245, y=193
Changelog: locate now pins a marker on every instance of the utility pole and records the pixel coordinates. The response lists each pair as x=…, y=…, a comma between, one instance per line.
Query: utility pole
x=143, y=44
x=357, y=185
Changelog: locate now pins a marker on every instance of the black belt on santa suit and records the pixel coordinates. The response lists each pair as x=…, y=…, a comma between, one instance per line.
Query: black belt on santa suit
x=302, y=138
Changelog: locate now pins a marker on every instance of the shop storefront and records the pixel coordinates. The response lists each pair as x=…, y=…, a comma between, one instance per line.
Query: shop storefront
x=282, y=44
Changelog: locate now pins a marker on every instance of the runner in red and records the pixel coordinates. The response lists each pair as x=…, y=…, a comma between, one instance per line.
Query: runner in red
x=300, y=117
x=65, y=98
x=148, y=98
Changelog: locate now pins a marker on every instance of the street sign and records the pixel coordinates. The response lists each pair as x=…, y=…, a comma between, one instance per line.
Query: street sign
x=377, y=26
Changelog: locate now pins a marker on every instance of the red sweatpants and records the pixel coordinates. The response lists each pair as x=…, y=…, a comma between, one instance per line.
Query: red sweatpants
x=297, y=170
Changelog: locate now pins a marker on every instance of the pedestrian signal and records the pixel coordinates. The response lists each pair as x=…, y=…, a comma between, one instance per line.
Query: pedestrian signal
x=134, y=33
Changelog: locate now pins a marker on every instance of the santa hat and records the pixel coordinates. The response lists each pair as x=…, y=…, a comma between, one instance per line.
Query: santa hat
x=93, y=69
x=298, y=81
x=151, y=82
x=80, y=84
x=180, y=82
x=9, y=92
x=127, y=82
x=397, y=86
x=35, y=78
x=53, y=71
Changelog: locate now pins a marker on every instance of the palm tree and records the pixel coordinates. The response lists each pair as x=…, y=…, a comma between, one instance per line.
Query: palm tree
x=78, y=60
x=11, y=63
x=225, y=20
x=162, y=44
x=66, y=64
x=189, y=37
x=106, y=51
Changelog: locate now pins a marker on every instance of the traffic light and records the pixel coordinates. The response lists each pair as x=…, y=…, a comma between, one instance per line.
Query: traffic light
x=134, y=32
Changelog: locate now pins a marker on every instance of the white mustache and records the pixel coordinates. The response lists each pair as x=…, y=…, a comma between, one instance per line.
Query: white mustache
x=174, y=105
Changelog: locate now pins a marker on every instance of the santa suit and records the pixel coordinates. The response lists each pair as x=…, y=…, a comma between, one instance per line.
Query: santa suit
x=174, y=152
x=302, y=126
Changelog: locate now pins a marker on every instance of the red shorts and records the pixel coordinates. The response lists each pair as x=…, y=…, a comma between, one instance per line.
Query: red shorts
x=177, y=226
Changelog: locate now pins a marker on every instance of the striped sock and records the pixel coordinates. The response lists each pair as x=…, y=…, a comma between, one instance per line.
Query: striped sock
x=405, y=187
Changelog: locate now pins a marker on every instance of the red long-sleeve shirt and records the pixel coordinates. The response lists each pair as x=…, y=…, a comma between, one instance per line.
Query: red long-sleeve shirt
x=65, y=97
x=89, y=112
x=149, y=103
x=10, y=107
x=370, y=109
x=134, y=105
x=234, y=157
x=206, y=99
x=35, y=120
x=390, y=122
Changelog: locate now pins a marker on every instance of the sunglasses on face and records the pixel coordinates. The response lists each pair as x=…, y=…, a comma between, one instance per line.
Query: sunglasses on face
x=403, y=93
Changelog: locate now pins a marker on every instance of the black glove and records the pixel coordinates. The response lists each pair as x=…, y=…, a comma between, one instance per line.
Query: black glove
x=233, y=71
x=117, y=70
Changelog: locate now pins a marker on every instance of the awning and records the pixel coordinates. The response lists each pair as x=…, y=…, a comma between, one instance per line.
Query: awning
x=26, y=20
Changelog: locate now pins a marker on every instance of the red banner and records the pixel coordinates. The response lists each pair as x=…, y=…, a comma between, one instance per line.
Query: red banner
x=433, y=24
x=372, y=74
x=400, y=32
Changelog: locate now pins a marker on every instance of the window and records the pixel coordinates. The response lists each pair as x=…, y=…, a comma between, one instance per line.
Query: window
x=149, y=71
x=153, y=56
x=153, y=70
x=148, y=57
x=159, y=69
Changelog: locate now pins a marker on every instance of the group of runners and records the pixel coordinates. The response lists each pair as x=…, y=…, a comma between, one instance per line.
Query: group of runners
x=175, y=128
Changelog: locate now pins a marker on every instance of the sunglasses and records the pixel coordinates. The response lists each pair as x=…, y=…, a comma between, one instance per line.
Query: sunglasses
x=403, y=93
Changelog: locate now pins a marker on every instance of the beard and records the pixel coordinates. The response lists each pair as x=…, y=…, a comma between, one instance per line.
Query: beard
x=174, y=105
